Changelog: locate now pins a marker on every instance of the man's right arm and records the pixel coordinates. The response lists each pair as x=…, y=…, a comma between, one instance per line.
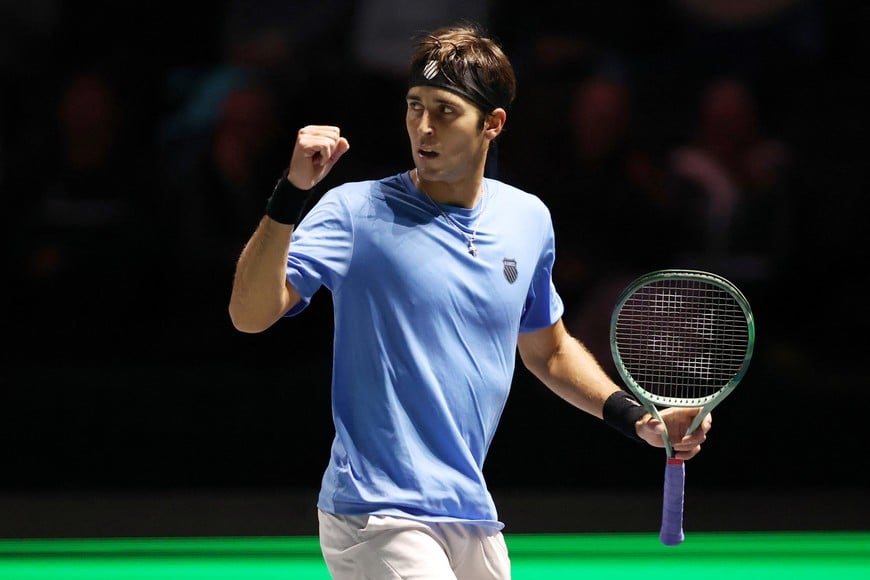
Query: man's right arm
x=261, y=294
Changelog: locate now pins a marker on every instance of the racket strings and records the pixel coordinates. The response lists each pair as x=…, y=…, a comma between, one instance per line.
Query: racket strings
x=682, y=340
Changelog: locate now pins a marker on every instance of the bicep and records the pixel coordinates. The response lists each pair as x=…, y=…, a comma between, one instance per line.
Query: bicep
x=539, y=347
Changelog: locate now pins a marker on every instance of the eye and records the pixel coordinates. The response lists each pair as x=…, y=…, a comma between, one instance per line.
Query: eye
x=415, y=105
x=446, y=109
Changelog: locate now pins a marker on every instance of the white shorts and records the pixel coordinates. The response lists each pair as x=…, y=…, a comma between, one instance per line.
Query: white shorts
x=384, y=548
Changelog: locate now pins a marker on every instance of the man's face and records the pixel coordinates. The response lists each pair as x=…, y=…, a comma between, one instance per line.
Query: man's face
x=447, y=139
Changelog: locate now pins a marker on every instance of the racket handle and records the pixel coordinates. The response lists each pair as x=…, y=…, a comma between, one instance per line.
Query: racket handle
x=672, y=506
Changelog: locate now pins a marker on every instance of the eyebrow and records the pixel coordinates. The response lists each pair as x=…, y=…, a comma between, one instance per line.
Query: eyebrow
x=453, y=101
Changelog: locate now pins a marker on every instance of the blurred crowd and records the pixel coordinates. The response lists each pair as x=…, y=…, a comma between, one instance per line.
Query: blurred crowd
x=138, y=143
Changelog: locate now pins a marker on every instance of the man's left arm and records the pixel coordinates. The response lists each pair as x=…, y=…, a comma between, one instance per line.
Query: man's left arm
x=567, y=368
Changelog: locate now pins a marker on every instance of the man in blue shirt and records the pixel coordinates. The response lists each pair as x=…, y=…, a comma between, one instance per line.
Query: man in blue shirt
x=438, y=276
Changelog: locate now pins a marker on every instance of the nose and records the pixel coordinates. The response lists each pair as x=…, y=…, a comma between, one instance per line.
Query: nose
x=424, y=127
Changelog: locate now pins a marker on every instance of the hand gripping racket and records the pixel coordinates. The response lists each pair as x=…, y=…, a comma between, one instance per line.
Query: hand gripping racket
x=680, y=338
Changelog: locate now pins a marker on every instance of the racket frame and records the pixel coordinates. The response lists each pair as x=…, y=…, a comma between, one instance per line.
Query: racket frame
x=651, y=401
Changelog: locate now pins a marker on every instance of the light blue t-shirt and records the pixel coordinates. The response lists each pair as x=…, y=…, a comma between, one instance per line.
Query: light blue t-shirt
x=425, y=338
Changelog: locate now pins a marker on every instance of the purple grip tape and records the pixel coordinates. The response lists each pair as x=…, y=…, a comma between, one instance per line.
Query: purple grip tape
x=672, y=505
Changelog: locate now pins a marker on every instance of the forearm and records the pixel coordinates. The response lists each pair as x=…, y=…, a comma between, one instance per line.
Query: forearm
x=260, y=294
x=574, y=375
x=563, y=364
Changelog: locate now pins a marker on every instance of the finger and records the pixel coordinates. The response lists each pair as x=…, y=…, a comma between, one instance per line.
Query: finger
x=324, y=152
x=687, y=442
x=654, y=425
x=325, y=163
x=327, y=131
x=707, y=423
x=341, y=148
x=318, y=148
x=322, y=139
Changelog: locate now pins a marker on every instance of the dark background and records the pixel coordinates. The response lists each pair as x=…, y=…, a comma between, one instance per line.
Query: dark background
x=138, y=145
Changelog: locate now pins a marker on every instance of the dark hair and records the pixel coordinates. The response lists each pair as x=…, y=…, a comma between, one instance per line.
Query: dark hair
x=463, y=60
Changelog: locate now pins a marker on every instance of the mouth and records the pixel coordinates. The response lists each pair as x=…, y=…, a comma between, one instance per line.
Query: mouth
x=426, y=153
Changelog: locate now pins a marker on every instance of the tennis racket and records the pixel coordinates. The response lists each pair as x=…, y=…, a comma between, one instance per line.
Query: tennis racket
x=681, y=338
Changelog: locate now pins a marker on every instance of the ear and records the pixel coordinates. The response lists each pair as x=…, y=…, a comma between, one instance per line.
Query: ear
x=494, y=123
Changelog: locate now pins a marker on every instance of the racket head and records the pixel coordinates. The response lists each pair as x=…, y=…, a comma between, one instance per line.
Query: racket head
x=682, y=338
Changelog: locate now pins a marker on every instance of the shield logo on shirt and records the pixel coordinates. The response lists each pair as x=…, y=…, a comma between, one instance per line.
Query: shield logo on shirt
x=510, y=269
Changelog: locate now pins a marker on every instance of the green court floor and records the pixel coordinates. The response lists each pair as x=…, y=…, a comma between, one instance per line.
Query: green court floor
x=735, y=556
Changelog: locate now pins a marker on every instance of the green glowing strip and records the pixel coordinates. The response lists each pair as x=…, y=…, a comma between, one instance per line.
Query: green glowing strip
x=791, y=556
x=288, y=546
x=709, y=544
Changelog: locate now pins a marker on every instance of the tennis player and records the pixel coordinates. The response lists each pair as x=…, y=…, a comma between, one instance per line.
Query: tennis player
x=438, y=276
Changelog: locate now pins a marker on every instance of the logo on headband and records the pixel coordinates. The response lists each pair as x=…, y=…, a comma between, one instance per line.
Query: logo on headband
x=463, y=84
x=430, y=71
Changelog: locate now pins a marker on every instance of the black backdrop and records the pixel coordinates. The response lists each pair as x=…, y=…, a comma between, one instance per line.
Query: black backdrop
x=128, y=375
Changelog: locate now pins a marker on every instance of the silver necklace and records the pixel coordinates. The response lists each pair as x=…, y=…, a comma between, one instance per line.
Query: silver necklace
x=472, y=249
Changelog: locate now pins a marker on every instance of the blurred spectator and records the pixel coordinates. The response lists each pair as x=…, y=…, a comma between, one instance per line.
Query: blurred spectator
x=606, y=193
x=777, y=47
x=754, y=39
x=219, y=198
x=217, y=188
x=299, y=47
x=83, y=209
x=223, y=142
x=550, y=54
x=605, y=190
x=729, y=187
x=281, y=36
x=294, y=47
x=26, y=35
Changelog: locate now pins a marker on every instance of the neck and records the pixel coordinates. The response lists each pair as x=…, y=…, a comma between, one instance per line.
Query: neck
x=461, y=194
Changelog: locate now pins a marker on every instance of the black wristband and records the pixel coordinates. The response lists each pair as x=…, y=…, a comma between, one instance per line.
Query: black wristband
x=287, y=202
x=622, y=411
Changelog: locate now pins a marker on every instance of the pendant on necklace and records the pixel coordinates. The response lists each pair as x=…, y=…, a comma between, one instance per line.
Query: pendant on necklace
x=472, y=249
